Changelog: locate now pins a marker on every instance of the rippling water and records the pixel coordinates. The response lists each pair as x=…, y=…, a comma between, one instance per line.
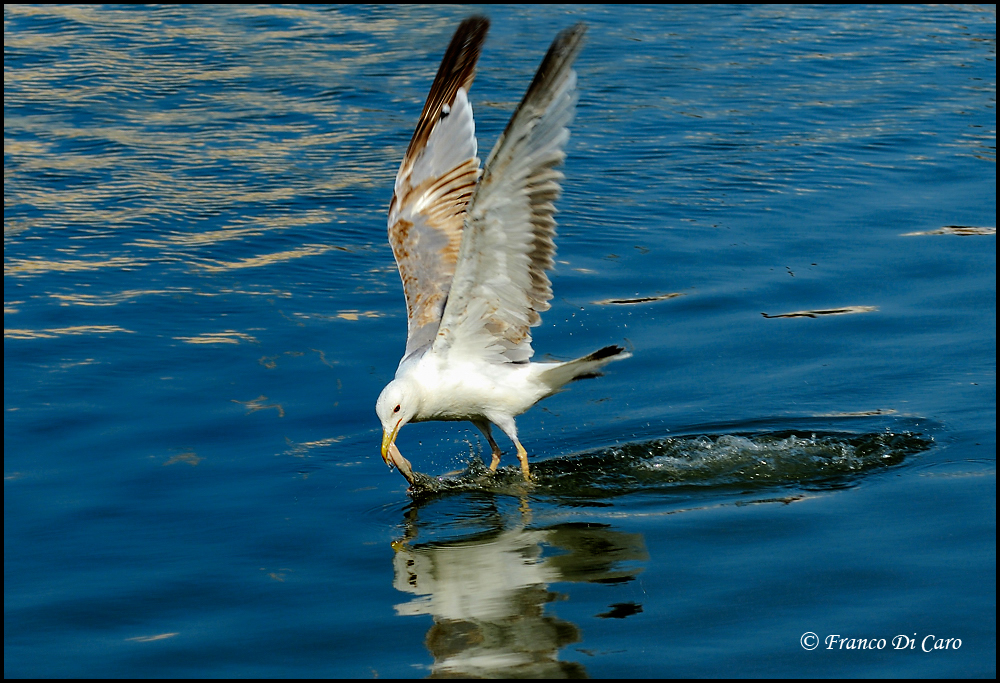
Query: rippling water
x=200, y=309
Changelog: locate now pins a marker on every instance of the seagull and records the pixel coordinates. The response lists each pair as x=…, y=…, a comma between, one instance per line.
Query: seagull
x=473, y=247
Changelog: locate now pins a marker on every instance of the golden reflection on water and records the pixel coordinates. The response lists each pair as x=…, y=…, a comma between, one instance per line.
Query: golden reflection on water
x=115, y=298
x=16, y=266
x=258, y=404
x=357, y=315
x=227, y=337
x=142, y=158
x=215, y=266
x=190, y=458
x=302, y=449
x=53, y=332
x=200, y=238
x=128, y=296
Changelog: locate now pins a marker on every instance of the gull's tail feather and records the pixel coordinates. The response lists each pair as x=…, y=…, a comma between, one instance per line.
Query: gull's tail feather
x=586, y=367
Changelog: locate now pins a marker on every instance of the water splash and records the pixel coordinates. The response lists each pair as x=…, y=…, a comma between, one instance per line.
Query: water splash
x=741, y=462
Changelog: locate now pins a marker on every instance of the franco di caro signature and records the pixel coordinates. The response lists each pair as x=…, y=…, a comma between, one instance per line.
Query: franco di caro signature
x=929, y=643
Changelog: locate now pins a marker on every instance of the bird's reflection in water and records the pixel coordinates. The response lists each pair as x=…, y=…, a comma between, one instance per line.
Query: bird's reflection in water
x=487, y=588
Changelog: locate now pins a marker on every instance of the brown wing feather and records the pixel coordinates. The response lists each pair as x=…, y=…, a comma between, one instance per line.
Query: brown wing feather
x=457, y=70
x=435, y=182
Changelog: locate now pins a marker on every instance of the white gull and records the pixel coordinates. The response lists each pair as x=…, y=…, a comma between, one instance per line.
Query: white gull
x=473, y=248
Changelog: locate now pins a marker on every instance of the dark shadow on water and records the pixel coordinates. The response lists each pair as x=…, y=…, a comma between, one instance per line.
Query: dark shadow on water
x=692, y=464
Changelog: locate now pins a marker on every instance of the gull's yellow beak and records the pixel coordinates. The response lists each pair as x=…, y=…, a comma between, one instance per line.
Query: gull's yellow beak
x=388, y=438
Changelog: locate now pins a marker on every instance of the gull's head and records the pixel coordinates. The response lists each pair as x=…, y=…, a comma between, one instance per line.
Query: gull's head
x=396, y=405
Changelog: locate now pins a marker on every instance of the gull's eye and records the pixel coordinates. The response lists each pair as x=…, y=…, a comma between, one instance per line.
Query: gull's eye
x=396, y=409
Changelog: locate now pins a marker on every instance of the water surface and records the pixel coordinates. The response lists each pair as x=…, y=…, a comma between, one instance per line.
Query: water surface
x=200, y=308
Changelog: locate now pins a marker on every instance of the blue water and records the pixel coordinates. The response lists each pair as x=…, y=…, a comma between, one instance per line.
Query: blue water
x=200, y=308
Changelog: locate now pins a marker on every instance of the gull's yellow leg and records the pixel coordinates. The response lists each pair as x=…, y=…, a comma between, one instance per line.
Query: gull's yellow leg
x=484, y=427
x=522, y=455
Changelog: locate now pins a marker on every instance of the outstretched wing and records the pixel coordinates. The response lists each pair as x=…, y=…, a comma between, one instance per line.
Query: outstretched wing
x=433, y=187
x=500, y=285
